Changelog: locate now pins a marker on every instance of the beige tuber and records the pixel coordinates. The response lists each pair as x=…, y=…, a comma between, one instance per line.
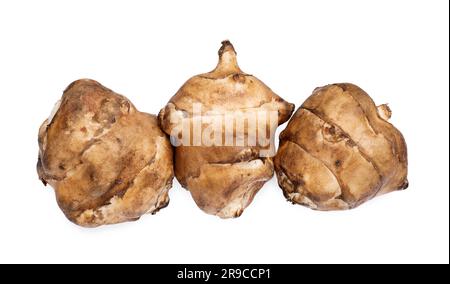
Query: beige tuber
x=224, y=177
x=339, y=150
x=107, y=162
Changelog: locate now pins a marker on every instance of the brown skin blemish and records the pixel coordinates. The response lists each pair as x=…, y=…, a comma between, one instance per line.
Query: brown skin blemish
x=238, y=78
x=337, y=163
x=331, y=130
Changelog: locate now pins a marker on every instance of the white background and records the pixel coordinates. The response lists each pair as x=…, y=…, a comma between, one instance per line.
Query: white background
x=396, y=50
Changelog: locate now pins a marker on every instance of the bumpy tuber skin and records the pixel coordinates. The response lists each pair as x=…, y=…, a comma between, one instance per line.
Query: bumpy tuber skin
x=339, y=150
x=223, y=179
x=107, y=162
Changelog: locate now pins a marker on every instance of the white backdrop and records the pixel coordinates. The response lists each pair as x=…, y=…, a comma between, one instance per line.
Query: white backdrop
x=398, y=51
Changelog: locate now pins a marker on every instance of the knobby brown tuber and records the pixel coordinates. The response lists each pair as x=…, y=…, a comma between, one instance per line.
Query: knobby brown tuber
x=339, y=150
x=219, y=157
x=107, y=162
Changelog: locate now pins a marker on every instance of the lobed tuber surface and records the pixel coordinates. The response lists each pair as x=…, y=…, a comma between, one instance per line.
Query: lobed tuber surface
x=108, y=162
x=223, y=179
x=339, y=150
